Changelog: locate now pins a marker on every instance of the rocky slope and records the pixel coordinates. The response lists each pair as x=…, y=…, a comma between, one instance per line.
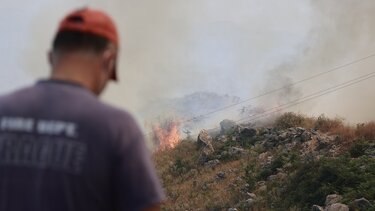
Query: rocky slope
x=292, y=165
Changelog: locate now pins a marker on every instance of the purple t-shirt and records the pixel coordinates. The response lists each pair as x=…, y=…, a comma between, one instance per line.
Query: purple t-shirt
x=63, y=149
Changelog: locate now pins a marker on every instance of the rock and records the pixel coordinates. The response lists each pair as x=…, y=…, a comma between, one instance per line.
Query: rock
x=278, y=176
x=261, y=187
x=226, y=126
x=361, y=204
x=300, y=130
x=337, y=207
x=232, y=209
x=252, y=195
x=246, y=187
x=317, y=208
x=235, y=151
x=272, y=178
x=222, y=138
x=264, y=131
x=220, y=175
x=283, y=135
x=270, y=143
x=204, y=142
x=281, y=175
x=248, y=132
x=305, y=136
x=332, y=199
x=212, y=163
x=261, y=183
x=263, y=158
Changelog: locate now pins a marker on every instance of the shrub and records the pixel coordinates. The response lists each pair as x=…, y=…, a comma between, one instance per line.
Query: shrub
x=290, y=119
x=335, y=126
x=180, y=167
x=366, y=131
x=313, y=181
x=250, y=176
x=271, y=169
x=346, y=134
x=325, y=124
x=358, y=149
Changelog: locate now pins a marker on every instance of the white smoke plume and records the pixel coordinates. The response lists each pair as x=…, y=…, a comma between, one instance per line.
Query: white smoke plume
x=242, y=48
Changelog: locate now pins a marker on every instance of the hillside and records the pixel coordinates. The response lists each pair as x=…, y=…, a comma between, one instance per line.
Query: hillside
x=295, y=163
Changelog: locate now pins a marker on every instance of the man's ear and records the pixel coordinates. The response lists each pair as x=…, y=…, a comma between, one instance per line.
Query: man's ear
x=109, y=61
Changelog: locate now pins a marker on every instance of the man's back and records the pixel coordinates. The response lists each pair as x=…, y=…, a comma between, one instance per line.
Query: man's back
x=61, y=149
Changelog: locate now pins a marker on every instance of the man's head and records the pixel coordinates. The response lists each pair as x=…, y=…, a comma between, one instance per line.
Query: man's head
x=85, y=49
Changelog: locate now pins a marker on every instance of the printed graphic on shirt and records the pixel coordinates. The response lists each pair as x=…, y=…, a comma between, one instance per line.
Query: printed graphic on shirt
x=42, y=144
x=42, y=127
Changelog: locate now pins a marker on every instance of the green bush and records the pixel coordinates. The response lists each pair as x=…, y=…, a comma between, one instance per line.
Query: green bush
x=180, y=167
x=250, y=177
x=358, y=149
x=313, y=181
x=271, y=169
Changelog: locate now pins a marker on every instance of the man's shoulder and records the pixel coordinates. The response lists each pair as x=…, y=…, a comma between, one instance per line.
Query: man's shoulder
x=115, y=114
x=120, y=124
x=15, y=95
x=80, y=103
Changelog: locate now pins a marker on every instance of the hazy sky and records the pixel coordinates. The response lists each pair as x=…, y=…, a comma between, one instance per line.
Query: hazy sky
x=171, y=48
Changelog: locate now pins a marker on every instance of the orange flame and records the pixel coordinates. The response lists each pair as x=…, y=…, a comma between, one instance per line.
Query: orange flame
x=167, y=135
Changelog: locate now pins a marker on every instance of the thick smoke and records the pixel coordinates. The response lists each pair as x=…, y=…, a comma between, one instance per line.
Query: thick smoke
x=242, y=48
x=341, y=33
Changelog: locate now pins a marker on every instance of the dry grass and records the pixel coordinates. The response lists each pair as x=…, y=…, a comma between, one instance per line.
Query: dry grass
x=366, y=131
x=192, y=186
x=326, y=124
x=197, y=187
x=345, y=133
x=331, y=126
x=202, y=190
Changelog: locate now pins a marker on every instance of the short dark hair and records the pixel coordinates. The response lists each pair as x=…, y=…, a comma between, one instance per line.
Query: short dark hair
x=69, y=41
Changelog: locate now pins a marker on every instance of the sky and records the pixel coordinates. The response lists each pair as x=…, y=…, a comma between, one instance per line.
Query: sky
x=172, y=48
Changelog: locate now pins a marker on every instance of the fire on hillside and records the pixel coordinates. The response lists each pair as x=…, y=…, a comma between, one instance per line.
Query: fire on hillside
x=166, y=135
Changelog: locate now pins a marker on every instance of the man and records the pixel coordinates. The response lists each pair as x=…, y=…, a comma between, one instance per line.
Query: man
x=60, y=147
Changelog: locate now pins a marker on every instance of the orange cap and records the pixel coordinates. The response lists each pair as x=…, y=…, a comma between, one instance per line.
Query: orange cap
x=91, y=21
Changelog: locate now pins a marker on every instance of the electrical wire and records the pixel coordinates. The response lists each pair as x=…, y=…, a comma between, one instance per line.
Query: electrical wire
x=279, y=89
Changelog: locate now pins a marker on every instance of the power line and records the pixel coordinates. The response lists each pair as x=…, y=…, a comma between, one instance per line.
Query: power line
x=297, y=101
x=281, y=88
x=309, y=97
x=306, y=98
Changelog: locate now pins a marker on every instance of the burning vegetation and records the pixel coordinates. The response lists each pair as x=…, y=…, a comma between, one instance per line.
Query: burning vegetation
x=166, y=134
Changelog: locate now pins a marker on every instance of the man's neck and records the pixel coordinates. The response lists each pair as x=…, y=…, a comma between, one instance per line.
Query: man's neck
x=82, y=81
x=81, y=68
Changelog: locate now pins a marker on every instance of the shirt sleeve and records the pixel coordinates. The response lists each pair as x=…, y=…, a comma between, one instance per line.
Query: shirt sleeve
x=136, y=185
